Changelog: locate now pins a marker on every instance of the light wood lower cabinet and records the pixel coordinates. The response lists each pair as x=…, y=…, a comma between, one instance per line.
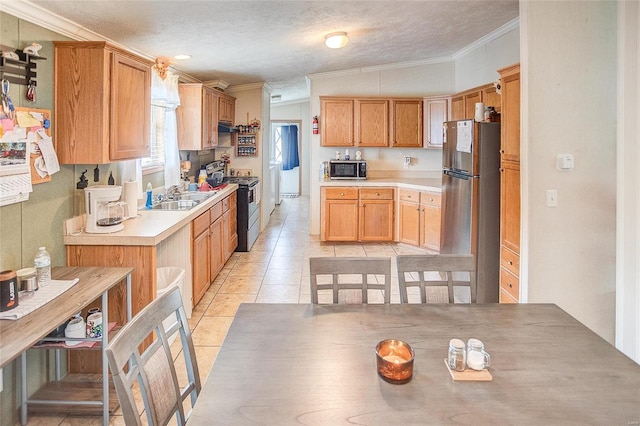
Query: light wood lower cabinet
x=200, y=261
x=214, y=238
x=349, y=214
x=419, y=218
x=376, y=214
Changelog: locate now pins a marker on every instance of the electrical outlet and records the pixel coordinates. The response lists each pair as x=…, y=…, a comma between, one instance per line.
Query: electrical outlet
x=407, y=162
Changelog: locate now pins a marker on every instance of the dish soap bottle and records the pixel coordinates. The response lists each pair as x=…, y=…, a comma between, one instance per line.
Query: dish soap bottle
x=42, y=263
x=149, y=203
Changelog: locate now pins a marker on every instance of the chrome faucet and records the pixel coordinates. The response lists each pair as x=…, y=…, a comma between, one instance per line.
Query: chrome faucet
x=171, y=192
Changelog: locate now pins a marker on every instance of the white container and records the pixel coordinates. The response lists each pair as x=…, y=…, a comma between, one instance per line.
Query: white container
x=42, y=263
x=76, y=329
x=479, y=116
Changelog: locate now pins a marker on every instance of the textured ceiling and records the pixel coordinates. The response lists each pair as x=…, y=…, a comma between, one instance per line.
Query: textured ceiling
x=280, y=42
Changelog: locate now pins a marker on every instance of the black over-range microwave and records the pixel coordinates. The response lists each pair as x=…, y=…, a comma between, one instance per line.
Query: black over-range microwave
x=347, y=169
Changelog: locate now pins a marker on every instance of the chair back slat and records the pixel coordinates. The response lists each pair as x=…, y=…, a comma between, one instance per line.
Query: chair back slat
x=350, y=273
x=441, y=270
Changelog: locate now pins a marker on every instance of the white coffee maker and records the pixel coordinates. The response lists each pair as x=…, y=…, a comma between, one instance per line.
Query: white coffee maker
x=104, y=213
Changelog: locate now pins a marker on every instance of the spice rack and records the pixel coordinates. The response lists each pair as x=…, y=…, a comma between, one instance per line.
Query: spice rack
x=247, y=145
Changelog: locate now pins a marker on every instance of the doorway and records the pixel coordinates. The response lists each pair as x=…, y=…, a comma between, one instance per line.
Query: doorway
x=286, y=152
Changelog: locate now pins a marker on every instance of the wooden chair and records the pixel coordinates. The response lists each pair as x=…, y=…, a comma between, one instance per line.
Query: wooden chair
x=350, y=273
x=154, y=368
x=441, y=270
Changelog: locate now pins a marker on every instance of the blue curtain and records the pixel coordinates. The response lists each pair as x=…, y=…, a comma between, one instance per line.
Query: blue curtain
x=290, y=158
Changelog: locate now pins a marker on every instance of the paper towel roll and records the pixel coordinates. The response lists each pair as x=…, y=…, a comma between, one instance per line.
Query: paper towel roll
x=479, y=111
x=131, y=197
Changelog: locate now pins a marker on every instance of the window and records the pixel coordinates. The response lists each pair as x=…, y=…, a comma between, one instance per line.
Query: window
x=155, y=162
x=276, y=155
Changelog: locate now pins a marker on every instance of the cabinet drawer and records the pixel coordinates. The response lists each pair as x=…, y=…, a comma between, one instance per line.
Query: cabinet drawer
x=430, y=198
x=341, y=193
x=506, y=298
x=200, y=224
x=510, y=261
x=409, y=195
x=215, y=212
x=509, y=283
x=376, y=193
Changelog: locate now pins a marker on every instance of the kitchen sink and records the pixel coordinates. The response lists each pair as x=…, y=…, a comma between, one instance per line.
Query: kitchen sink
x=176, y=205
x=194, y=196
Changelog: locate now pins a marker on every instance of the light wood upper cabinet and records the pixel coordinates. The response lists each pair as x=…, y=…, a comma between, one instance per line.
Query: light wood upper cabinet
x=406, y=123
x=102, y=105
x=491, y=98
x=510, y=114
x=197, y=117
x=457, y=108
x=371, y=120
x=226, y=109
x=470, y=100
x=436, y=112
x=336, y=122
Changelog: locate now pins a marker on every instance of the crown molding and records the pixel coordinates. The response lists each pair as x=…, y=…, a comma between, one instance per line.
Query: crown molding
x=250, y=86
x=493, y=35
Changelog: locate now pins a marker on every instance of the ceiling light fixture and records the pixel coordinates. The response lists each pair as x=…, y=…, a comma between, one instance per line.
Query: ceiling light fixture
x=336, y=40
x=182, y=56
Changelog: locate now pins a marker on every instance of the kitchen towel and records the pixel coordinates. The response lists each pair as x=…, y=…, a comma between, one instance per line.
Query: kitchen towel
x=131, y=197
x=40, y=297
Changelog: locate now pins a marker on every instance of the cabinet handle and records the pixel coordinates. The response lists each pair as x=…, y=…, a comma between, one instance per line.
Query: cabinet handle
x=408, y=196
x=342, y=194
x=502, y=151
x=510, y=262
x=431, y=199
x=377, y=194
x=510, y=285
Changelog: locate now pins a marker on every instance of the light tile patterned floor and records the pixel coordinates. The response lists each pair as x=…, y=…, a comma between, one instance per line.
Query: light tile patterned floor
x=276, y=270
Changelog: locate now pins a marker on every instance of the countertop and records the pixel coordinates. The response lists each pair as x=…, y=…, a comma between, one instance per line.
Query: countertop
x=421, y=184
x=150, y=227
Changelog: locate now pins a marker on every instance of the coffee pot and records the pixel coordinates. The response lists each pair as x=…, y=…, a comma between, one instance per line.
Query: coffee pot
x=104, y=213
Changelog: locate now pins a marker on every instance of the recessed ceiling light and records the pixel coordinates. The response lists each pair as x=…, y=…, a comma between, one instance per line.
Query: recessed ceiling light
x=336, y=40
x=182, y=56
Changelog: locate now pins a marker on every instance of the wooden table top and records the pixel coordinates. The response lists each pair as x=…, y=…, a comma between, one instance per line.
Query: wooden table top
x=19, y=335
x=315, y=365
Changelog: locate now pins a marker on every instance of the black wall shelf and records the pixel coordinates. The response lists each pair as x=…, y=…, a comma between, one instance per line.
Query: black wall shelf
x=21, y=71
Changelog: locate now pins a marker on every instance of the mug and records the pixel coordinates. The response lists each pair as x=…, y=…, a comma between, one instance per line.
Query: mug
x=477, y=358
x=193, y=187
x=75, y=328
x=94, y=325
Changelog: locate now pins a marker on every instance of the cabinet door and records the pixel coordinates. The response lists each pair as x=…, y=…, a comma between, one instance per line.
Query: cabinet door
x=209, y=119
x=336, y=116
x=430, y=227
x=457, y=108
x=470, y=100
x=409, y=215
x=510, y=117
x=340, y=220
x=371, y=122
x=406, y=123
x=436, y=112
x=509, y=287
x=376, y=220
x=216, y=251
x=226, y=109
x=189, y=117
x=510, y=206
x=491, y=98
x=130, y=108
x=200, y=267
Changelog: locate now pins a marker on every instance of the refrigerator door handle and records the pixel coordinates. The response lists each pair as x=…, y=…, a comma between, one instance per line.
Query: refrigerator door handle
x=456, y=174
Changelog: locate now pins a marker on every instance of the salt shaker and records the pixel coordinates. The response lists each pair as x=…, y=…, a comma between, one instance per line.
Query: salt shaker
x=457, y=358
x=477, y=358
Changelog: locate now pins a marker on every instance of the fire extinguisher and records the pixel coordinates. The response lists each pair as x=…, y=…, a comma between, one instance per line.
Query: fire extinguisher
x=315, y=125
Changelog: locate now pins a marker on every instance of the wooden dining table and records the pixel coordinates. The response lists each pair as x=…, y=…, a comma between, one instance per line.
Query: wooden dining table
x=283, y=364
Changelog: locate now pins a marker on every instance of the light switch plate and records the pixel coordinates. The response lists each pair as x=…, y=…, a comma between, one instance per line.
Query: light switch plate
x=552, y=198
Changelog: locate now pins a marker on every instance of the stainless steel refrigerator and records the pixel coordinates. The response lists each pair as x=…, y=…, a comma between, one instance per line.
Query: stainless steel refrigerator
x=471, y=200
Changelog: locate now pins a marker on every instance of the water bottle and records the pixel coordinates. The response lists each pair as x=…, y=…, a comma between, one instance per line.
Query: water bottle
x=42, y=263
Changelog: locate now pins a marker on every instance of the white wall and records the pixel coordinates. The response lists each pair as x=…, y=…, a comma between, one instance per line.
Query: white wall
x=478, y=66
x=628, y=202
x=298, y=111
x=569, y=106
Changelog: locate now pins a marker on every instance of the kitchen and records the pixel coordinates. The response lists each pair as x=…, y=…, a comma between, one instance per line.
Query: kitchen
x=587, y=289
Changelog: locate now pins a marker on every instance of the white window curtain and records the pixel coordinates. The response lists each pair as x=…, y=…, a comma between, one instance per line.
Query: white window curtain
x=165, y=92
